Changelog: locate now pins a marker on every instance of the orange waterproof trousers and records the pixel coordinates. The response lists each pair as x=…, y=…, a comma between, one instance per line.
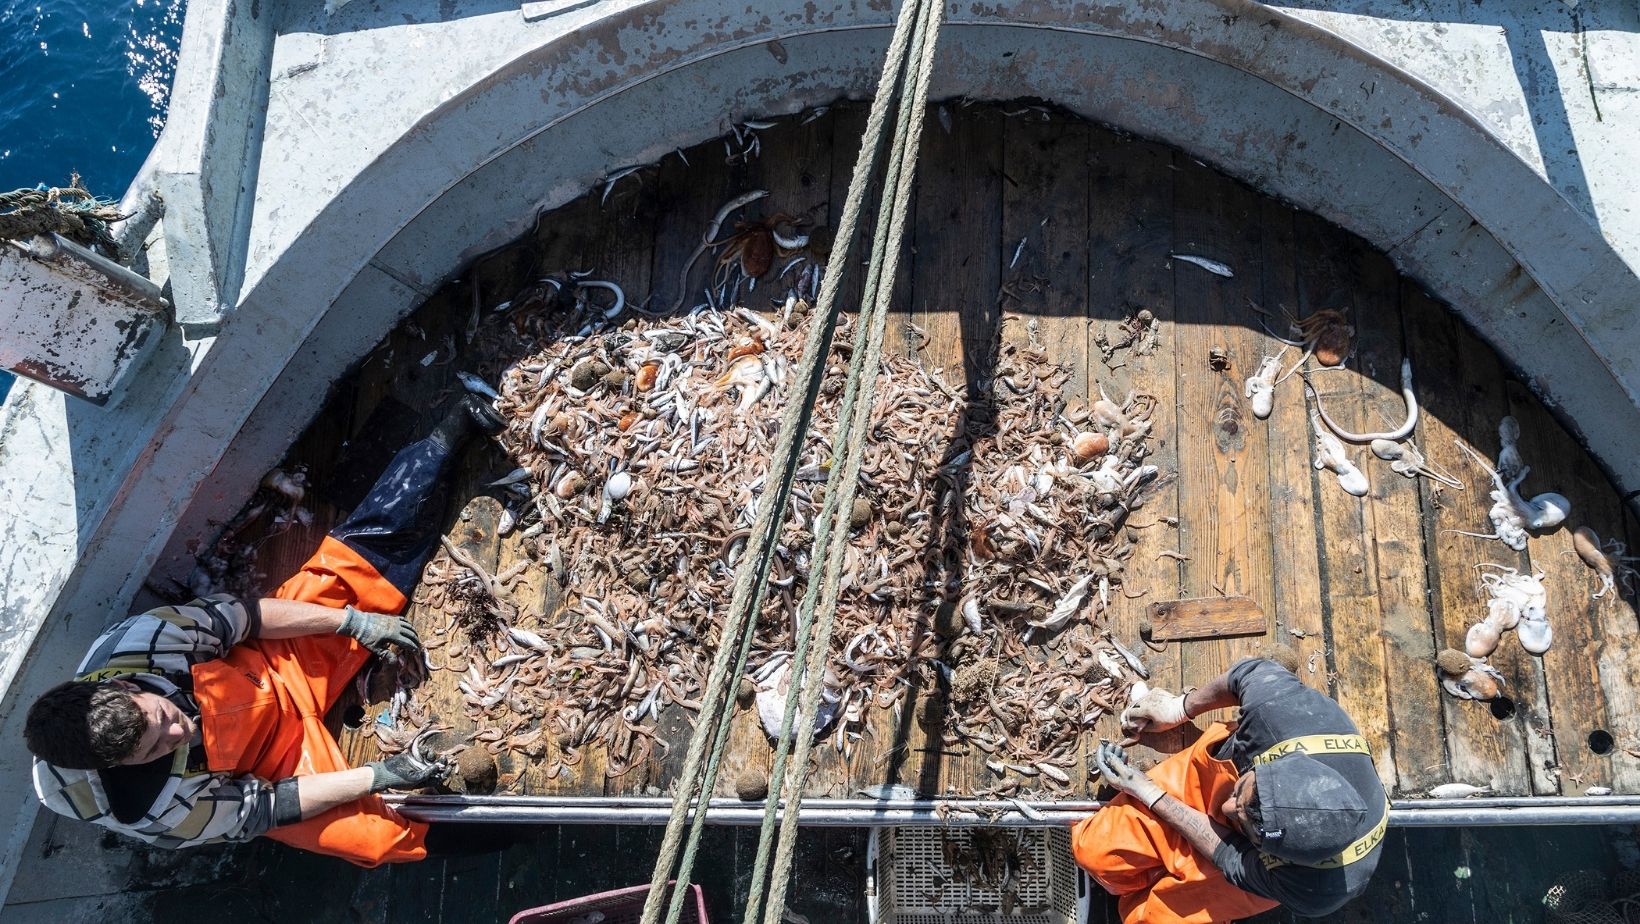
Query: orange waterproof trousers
x=262, y=710
x=1154, y=870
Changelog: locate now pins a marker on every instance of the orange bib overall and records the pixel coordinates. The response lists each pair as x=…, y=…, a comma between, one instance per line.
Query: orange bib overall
x=262, y=710
x=1154, y=870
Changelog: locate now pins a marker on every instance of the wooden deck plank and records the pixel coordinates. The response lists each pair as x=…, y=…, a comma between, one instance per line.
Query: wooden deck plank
x=1620, y=645
x=1296, y=551
x=1130, y=234
x=1619, y=629
x=622, y=246
x=1223, y=504
x=1044, y=294
x=795, y=166
x=1126, y=212
x=849, y=123
x=873, y=757
x=1576, y=702
x=955, y=275
x=1405, y=635
x=1460, y=387
x=883, y=752
x=1351, y=577
x=687, y=194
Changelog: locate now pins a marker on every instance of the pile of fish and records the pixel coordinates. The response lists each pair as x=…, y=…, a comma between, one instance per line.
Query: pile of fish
x=990, y=535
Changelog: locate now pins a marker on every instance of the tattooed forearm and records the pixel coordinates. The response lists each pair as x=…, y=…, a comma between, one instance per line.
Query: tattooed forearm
x=1196, y=827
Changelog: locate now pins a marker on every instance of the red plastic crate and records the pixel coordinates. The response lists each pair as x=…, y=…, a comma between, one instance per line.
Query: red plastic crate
x=621, y=906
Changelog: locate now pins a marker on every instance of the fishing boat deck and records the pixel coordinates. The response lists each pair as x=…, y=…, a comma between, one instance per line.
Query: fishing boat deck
x=1366, y=590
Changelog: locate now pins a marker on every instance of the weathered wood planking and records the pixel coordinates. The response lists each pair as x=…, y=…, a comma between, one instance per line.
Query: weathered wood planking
x=1351, y=570
x=796, y=168
x=1130, y=234
x=955, y=275
x=1460, y=386
x=1045, y=292
x=873, y=757
x=1619, y=649
x=653, y=221
x=1294, y=518
x=1244, y=516
x=1206, y=617
x=621, y=245
x=1406, y=637
x=1223, y=472
x=1577, y=704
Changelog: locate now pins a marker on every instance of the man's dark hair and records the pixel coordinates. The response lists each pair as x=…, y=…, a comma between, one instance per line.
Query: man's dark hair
x=84, y=725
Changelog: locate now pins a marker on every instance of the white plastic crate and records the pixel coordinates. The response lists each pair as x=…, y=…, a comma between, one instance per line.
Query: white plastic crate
x=912, y=879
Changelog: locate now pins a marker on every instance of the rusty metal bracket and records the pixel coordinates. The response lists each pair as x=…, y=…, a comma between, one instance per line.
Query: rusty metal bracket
x=73, y=319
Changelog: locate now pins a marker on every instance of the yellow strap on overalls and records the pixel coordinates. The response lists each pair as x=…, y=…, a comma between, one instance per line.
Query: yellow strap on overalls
x=1319, y=745
x=109, y=673
x=1355, y=851
x=1315, y=745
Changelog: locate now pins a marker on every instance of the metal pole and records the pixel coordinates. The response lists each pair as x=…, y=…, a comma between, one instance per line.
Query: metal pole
x=958, y=813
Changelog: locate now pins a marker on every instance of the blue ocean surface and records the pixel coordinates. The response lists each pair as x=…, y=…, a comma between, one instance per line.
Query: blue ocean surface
x=86, y=85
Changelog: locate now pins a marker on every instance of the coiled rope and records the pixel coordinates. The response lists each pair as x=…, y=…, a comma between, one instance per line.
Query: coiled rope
x=905, y=75
x=67, y=210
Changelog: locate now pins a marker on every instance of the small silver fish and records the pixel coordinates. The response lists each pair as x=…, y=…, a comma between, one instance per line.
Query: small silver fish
x=527, y=638
x=477, y=386
x=1212, y=266
x=889, y=791
x=1026, y=809
x=512, y=477
x=1598, y=791
x=1457, y=791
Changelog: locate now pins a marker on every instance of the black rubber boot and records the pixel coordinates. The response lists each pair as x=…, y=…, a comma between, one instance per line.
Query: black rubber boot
x=396, y=526
x=470, y=415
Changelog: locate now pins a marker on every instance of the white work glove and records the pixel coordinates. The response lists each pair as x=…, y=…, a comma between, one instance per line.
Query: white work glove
x=1115, y=770
x=1153, y=710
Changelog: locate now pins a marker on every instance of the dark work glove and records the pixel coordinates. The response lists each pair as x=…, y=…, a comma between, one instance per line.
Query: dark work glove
x=1113, y=766
x=376, y=631
x=405, y=771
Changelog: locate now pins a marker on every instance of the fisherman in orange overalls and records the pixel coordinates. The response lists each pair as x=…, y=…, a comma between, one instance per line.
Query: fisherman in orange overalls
x=199, y=723
x=1280, y=808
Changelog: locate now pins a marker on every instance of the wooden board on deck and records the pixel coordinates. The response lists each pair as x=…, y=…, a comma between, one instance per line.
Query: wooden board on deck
x=1223, y=469
x=1130, y=234
x=1460, y=387
x=1206, y=617
x=1351, y=569
x=1296, y=556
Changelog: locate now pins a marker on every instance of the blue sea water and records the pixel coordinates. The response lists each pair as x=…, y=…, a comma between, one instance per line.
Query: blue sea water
x=85, y=89
x=86, y=84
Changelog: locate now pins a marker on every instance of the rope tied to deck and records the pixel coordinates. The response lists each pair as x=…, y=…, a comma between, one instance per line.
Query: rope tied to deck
x=70, y=211
x=905, y=77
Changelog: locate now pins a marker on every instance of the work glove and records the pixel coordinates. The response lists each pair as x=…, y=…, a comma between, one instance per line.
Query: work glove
x=1115, y=770
x=405, y=770
x=1153, y=711
x=376, y=631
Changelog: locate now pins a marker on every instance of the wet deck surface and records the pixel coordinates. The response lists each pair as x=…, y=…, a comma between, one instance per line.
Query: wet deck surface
x=1365, y=589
